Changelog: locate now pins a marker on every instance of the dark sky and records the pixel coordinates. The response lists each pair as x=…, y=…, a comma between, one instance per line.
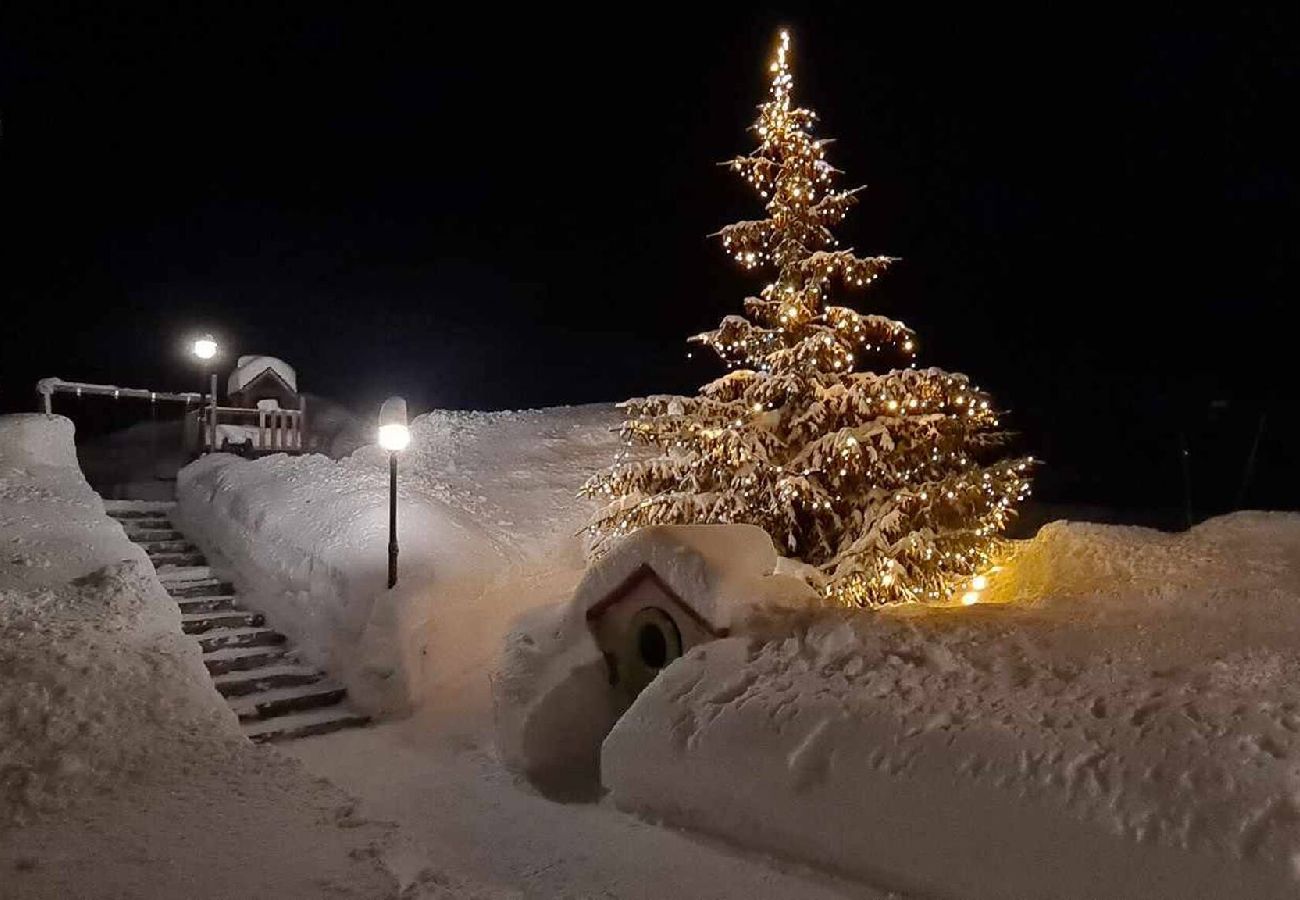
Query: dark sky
x=1097, y=211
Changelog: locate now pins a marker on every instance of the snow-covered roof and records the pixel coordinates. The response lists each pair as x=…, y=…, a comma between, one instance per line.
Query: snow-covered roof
x=249, y=367
x=721, y=571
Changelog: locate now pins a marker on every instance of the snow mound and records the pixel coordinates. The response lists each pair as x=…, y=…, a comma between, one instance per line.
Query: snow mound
x=1125, y=724
x=554, y=701
x=35, y=439
x=113, y=741
x=487, y=521
x=97, y=676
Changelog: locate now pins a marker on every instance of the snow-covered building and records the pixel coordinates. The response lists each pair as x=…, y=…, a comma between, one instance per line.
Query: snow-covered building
x=264, y=413
x=259, y=379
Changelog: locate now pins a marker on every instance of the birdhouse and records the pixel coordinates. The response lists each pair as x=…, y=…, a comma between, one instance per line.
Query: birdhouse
x=643, y=625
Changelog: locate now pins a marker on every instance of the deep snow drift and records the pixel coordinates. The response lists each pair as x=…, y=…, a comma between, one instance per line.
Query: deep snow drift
x=122, y=771
x=1127, y=726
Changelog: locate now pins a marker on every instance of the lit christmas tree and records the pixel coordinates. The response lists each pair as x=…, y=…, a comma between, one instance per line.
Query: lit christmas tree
x=886, y=482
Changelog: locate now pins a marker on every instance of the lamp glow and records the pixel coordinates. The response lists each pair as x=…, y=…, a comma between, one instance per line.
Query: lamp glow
x=394, y=437
x=205, y=347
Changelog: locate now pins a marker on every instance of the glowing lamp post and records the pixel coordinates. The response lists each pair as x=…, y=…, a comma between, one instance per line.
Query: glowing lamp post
x=394, y=436
x=205, y=348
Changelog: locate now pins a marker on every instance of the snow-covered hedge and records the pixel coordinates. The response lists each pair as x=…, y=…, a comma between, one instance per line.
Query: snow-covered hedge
x=305, y=541
x=487, y=520
x=1127, y=727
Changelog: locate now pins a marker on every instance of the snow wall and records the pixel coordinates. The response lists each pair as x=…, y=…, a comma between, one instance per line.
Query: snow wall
x=1127, y=725
x=488, y=516
x=117, y=756
x=96, y=670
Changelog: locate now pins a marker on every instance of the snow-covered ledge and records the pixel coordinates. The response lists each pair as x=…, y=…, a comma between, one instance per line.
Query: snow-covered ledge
x=554, y=698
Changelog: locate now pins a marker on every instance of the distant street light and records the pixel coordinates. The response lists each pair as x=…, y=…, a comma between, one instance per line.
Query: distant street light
x=205, y=348
x=394, y=435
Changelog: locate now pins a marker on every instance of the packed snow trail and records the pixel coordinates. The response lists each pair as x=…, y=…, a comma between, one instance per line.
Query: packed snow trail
x=465, y=827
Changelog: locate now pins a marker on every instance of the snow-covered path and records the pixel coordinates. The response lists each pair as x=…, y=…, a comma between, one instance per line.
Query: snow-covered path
x=465, y=828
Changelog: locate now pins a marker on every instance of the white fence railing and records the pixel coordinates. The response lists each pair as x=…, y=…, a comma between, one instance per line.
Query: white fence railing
x=261, y=430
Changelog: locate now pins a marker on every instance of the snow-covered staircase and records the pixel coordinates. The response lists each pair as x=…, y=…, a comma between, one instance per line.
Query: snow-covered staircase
x=275, y=696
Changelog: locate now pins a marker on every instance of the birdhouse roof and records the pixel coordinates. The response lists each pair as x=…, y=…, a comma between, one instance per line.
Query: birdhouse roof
x=717, y=572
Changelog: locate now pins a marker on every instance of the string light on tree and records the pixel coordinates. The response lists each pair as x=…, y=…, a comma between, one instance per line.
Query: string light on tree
x=882, y=476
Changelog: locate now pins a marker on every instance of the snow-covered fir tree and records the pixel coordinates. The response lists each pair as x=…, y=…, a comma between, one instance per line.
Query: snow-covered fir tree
x=887, y=482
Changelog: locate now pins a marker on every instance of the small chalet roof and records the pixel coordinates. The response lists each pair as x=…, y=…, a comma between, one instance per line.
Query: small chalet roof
x=250, y=368
x=720, y=572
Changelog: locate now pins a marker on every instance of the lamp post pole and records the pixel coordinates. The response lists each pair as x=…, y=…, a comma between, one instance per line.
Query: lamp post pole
x=394, y=436
x=212, y=414
x=392, y=518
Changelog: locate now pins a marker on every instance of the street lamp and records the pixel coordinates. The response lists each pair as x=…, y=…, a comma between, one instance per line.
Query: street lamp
x=394, y=436
x=205, y=348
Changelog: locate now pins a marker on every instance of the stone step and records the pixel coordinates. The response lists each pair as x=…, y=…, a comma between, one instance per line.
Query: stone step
x=159, y=523
x=224, y=638
x=251, y=681
x=200, y=622
x=139, y=511
x=170, y=575
x=192, y=605
x=145, y=535
x=204, y=587
x=178, y=546
x=251, y=636
x=303, y=724
x=237, y=659
x=282, y=701
x=192, y=558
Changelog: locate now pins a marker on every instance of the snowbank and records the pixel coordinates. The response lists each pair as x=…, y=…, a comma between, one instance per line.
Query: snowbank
x=117, y=756
x=1126, y=725
x=487, y=521
x=554, y=700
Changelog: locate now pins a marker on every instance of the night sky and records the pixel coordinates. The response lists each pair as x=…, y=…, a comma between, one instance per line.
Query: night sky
x=1097, y=212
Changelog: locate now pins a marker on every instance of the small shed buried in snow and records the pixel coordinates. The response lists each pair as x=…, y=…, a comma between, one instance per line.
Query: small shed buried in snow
x=643, y=625
x=669, y=588
x=568, y=672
